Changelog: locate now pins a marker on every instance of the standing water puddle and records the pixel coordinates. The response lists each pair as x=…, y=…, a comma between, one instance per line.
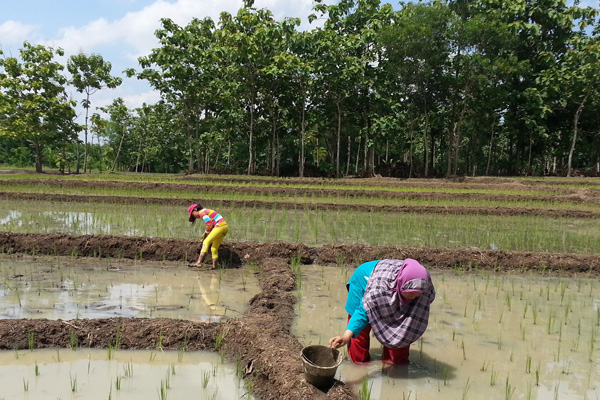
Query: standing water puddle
x=67, y=288
x=59, y=287
x=492, y=336
x=132, y=375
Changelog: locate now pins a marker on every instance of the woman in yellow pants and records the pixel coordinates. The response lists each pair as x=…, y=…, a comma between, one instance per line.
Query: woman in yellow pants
x=216, y=229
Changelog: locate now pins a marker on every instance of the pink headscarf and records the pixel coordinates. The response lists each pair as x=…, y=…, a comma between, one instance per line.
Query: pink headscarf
x=412, y=277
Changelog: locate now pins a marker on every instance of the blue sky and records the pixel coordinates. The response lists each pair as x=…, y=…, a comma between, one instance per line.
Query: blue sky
x=119, y=30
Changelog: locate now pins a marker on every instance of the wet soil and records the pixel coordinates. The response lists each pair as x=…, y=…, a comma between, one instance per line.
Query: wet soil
x=290, y=205
x=235, y=254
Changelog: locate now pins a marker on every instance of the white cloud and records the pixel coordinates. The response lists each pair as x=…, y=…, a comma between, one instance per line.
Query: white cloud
x=136, y=29
x=136, y=100
x=14, y=33
x=121, y=41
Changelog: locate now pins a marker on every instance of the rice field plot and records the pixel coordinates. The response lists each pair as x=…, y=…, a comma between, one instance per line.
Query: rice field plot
x=485, y=232
x=493, y=336
x=398, y=193
x=119, y=374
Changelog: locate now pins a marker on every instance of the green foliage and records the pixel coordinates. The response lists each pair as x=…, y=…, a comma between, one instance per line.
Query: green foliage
x=442, y=88
x=33, y=103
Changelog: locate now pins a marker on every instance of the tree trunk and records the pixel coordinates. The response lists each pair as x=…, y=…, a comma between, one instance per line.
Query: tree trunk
x=425, y=152
x=339, y=140
x=278, y=159
x=77, y=156
x=229, y=154
x=349, y=156
x=357, y=158
x=487, y=168
x=575, y=131
x=190, y=140
x=251, y=169
x=118, y=152
x=85, y=146
x=302, y=137
x=139, y=154
x=273, y=142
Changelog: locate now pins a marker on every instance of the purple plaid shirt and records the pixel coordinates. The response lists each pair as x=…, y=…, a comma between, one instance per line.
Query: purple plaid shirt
x=396, y=325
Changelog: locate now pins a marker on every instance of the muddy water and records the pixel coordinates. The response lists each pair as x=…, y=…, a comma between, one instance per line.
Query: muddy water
x=132, y=375
x=67, y=288
x=490, y=336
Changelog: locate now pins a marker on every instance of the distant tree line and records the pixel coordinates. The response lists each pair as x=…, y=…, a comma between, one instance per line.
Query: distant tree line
x=442, y=88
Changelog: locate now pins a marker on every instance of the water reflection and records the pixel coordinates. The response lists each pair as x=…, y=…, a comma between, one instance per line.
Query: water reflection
x=69, y=289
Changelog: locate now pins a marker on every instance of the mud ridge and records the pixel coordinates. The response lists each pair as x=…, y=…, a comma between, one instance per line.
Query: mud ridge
x=234, y=254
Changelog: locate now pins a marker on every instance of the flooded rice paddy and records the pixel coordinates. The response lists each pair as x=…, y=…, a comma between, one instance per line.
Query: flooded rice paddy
x=495, y=336
x=125, y=374
x=492, y=336
x=59, y=287
x=522, y=233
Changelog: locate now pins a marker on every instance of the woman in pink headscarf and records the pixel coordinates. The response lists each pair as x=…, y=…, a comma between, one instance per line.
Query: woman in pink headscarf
x=392, y=297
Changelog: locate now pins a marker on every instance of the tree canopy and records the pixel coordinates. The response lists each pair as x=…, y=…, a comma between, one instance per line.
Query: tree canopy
x=439, y=88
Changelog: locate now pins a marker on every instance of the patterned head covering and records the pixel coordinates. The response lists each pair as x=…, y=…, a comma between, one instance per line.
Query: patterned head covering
x=412, y=277
x=398, y=322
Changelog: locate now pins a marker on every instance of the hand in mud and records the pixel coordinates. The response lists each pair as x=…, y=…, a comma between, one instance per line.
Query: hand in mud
x=339, y=341
x=336, y=342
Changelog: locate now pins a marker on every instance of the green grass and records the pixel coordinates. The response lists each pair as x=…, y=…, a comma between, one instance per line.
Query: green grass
x=522, y=233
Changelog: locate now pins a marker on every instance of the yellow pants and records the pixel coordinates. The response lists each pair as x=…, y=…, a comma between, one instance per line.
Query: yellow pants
x=214, y=240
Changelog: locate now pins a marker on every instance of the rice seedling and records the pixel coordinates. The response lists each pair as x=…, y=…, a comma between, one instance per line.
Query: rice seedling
x=484, y=366
x=493, y=377
x=73, y=381
x=30, y=339
x=162, y=391
x=205, y=379
x=528, y=393
x=296, y=267
x=25, y=385
x=365, y=391
x=73, y=339
x=168, y=380
x=118, y=383
x=159, y=345
x=128, y=369
x=466, y=389
x=182, y=350
x=509, y=390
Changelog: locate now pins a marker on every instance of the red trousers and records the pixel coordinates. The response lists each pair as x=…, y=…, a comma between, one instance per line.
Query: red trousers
x=358, y=349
